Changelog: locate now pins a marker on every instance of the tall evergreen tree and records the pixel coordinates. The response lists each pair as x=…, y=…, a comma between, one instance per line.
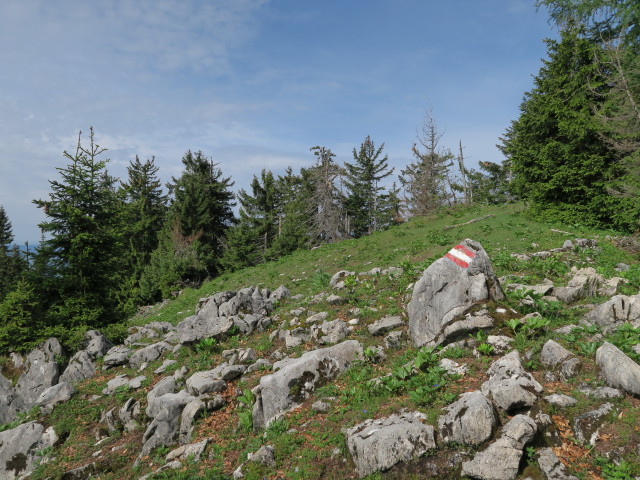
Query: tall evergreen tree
x=202, y=204
x=362, y=179
x=12, y=262
x=249, y=242
x=83, y=251
x=560, y=162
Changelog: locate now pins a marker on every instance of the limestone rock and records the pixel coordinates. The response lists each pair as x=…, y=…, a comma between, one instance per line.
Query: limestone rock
x=510, y=385
x=385, y=324
x=560, y=400
x=618, y=369
x=380, y=444
x=19, y=448
x=447, y=290
x=470, y=420
x=587, y=426
x=501, y=460
x=194, y=328
x=265, y=455
x=118, y=355
x=619, y=309
x=330, y=332
x=193, y=451
x=551, y=466
x=204, y=382
x=41, y=371
x=296, y=378
x=148, y=354
x=279, y=293
x=80, y=366
x=52, y=396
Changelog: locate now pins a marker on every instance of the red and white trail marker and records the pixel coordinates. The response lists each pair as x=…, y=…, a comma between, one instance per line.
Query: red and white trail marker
x=461, y=256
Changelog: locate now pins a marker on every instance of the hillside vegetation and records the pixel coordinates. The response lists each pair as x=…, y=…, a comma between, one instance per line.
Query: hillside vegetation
x=309, y=441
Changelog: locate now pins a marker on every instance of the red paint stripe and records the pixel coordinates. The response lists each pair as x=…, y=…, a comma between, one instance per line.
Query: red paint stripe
x=457, y=261
x=465, y=250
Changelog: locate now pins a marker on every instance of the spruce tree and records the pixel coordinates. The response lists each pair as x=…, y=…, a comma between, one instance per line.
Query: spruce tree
x=362, y=179
x=561, y=164
x=249, y=242
x=202, y=207
x=82, y=253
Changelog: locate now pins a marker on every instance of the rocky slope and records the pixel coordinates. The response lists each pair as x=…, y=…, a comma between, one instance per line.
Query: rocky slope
x=391, y=373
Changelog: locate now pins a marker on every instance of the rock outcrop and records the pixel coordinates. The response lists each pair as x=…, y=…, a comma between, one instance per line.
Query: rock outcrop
x=447, y=290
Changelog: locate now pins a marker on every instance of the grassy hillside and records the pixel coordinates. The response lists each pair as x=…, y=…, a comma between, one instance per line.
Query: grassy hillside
x=310, y=443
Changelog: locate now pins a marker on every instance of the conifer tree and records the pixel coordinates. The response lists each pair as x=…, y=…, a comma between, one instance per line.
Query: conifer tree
x=561, y=164
x=83, y=252
x=425, y=180
x=362, y=179
x=11, y=261
x=202, y=206
x=328, y=219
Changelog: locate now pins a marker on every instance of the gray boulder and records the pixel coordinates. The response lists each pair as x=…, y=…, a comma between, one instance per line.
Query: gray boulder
x=447, y=290
x=194, y=328
x=587, y=426
x=385, y=324
x=510, y=385
x=619, y=309
x=96, y=344
x=380, y=444
x=190, y=414
x=296, y=378
x=193, y=451
x=10, y=401
x=41, y=371
x=552, y=467
x=205, y=382
x=279, y=293
x=469, y=420
x=163, y=429
x=265, y=455
x=149, y=354
x=115, y=356
x=52, y=396
x=19, y=448
x=618, y=369
x=560, y=400
x=501, y=459
x=555, y=356
x=330, y=332
x=80, y=366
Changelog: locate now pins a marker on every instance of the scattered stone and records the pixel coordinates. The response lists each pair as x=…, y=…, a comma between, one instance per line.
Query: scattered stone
x=336, y=300
x=501, y=460
x=20, y=448
x=500, y=343
x=587, y=426
x=193, y=451
x=296, y=378
x=556, y=356
x=453, y=368
x=114, y=383
x=618, y=309
x=380, y=444
x=316, y=317
x=394, y=339
x=296, y=337
x=204, y=382
x=195, y=328
x=80, y=366
x=265, y=455
x=118, y=355
x=52, y=396
x=41, y=371
x=320, y=406
x=163, y=368
x=260, y=364
x=552, y=467
x=330, y=332
x=469, y=420
x=447, y=290
x=618, y=369
x=385, y=324
x=148, y=354
x=510, y=385
x=279, y=293
x=560, y=400
x=192, y=411
x=337, y=280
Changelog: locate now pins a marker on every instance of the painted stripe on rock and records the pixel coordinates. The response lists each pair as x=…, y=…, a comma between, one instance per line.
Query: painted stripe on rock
x=461, y=256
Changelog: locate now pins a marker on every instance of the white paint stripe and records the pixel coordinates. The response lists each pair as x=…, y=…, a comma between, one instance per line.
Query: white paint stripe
x=460, y=255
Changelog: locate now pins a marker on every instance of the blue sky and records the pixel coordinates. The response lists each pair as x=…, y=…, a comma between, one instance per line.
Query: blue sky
x=252, y=83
